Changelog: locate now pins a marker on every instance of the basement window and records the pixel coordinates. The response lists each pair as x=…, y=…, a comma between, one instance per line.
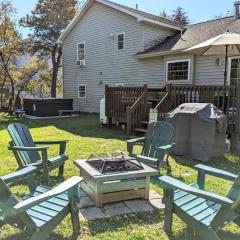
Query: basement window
x=178, y=71
x=121, y=41
x=81, y=91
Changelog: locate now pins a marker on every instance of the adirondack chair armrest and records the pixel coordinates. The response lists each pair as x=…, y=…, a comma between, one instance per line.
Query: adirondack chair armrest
x=27, y=149
x=62, y=144
x=203, y=170
x=171, y=184
x=51, y=142
x=166, y=147
x=132, y=142
x=19, y=175
x=62, y=188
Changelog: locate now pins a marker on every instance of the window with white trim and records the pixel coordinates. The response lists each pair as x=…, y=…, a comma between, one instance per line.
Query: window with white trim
x=81, y=91
x=121, y=41
x=234, y=71
x=178, y=71
x=81, y=52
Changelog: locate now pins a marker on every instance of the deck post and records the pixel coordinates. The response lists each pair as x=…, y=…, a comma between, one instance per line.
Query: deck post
x=169, y=91
x=129, y=121
x=146, y=112
x=235, y=140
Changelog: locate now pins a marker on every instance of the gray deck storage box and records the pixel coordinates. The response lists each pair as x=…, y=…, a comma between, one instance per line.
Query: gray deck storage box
x=200, y=131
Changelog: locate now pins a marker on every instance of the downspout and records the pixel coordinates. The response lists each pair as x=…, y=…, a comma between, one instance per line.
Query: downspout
x=182, y=36
x=193, y=69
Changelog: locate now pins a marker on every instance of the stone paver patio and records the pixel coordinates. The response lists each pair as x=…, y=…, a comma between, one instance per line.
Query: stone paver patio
x=89, y=211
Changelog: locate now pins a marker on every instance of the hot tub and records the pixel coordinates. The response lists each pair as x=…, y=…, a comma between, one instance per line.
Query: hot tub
x=46, y=107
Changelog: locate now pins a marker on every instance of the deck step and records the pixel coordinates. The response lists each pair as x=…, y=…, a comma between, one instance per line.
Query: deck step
x=154, y=99
x=145, y=122
x=141, y=130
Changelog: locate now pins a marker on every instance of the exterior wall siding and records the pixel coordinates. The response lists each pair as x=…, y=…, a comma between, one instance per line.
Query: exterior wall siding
x=104, y=63
x=207, y=72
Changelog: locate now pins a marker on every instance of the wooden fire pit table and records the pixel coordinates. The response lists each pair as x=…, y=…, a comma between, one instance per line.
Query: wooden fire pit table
x=114, y=187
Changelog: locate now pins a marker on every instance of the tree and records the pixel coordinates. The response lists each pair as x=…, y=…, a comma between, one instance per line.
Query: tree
x=28, y=74
x=12, y=46
x=5, y=7
x=180, y=16
x=5, y=11
x=17, y=74
x=163, y=14
x=47, y=21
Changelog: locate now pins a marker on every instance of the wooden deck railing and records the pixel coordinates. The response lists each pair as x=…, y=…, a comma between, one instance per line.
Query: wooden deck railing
x=163, y=107
x=129, y=104
x=137, y=113
x=119, y=98
x=225, y=98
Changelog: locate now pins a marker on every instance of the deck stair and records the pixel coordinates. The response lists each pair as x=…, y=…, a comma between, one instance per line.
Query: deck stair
x=154, y=97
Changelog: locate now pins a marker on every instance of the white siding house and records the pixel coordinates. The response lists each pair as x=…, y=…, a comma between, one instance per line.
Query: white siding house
x=110, y=44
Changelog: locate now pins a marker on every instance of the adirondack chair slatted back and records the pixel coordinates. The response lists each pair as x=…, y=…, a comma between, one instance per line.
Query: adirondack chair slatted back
x=7, y=201
x=158, y=134
x=21, y=136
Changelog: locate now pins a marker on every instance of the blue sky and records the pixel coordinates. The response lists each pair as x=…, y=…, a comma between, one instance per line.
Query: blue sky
x=198, y=11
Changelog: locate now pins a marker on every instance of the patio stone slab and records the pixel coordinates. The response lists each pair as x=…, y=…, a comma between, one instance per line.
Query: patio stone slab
x=157, y=204
x=154, y=195
x=113, y=205
x=92, y=213
x=139, y=206
x=88, y=210
x=117, y=211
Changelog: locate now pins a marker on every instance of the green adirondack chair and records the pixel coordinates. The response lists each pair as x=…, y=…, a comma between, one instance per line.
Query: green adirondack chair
x=43, y=209
x=157, y=144
x=206, y=213
x=27, y=153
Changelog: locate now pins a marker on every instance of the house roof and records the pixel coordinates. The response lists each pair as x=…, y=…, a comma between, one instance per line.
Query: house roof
x=193, y=35
x=141, y=16
x=148, y=15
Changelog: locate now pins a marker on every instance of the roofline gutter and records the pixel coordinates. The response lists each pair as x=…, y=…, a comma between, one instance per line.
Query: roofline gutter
x=158, y=54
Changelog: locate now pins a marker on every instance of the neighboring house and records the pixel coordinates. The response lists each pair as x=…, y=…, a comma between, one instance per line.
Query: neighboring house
x=111, y=44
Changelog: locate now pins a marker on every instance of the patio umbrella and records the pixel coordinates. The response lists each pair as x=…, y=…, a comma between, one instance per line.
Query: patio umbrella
x=227, y=44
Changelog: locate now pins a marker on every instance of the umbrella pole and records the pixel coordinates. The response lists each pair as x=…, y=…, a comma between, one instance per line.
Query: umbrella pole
x=226, y=66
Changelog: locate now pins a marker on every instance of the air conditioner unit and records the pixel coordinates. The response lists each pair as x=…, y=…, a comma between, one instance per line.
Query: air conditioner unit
x=81, y=63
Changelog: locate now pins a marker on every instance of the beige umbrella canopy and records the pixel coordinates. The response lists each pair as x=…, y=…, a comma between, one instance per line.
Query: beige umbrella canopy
x=227, y=44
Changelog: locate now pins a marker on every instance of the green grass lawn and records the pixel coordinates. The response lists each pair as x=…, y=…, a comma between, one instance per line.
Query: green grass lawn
x=85, y=137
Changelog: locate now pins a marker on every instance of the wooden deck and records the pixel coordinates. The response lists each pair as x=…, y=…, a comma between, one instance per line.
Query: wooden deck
x=130, y=105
